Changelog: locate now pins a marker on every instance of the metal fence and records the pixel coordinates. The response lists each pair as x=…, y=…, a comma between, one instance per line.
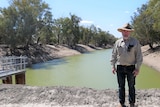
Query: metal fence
x=12, y=64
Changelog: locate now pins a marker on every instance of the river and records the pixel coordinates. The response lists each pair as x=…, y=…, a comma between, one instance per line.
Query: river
x=91, y=70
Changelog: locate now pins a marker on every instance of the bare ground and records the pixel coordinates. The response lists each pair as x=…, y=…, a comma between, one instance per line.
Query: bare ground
x=27, y=96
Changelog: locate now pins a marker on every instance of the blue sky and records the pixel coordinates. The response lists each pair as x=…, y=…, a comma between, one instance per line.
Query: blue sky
x=106, y=14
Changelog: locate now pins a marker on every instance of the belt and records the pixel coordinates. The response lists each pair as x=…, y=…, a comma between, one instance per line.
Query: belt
x=126, y=65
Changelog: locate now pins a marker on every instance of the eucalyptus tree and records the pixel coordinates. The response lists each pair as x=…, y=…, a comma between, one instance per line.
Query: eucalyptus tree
x=96, y=36
x=93, y=34
x=85, y=35
x=57, y=30
x=45, y=34
x=22, y=21
x=154, y=11
x=143, y=26
x=63, y=30
x=7, y=26
x=102, y=38
x=139, y=21
x=144, y=22
x=75, y=20
x=111, y=39
x=67, y=29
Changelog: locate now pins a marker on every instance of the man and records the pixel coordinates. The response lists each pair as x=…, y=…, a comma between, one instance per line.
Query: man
x=126, y=61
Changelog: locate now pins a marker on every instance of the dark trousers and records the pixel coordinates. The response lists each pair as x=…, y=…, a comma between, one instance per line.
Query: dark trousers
x=124, y=72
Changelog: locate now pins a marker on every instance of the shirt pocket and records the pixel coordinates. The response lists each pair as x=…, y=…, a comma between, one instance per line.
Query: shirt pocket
x=120, y=50
x=133, y=49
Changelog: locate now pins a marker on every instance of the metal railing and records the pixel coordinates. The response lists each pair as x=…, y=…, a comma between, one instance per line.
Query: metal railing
x=12, y=65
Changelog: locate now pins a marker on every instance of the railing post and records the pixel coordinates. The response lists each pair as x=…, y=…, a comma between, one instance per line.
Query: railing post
x=20, y=78
x=13, y=64
x=7, y=80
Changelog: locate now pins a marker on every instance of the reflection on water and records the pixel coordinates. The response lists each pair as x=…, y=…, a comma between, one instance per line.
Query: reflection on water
x=49, y=63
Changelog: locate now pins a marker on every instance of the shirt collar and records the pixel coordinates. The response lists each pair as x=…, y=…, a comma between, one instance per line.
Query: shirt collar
x=122, y=40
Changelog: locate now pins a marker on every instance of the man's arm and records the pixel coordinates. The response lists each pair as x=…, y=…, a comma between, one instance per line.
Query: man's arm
x=114, y=58
x=139, y=59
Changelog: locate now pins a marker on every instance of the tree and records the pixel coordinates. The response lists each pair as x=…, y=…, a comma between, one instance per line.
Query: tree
x=45, y=31
x=146, y=23
x=154, y=10
x=75, y=20
x=23, y=20
x=85, y=35
x=27, y=22
x=143, y=26
x=67, y=30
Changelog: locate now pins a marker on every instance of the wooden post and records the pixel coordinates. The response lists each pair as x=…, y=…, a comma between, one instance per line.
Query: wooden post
x=7, y=80
x=20, y=78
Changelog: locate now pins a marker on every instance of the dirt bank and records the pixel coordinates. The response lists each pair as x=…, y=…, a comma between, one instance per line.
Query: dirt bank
x=43, y=53
x=24, y=96
x=151, y=57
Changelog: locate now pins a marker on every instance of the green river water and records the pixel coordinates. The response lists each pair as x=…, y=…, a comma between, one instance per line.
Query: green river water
x=91, y=70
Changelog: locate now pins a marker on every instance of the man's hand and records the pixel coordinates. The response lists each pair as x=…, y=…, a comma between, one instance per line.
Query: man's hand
x=136, y=72
x=114, y=70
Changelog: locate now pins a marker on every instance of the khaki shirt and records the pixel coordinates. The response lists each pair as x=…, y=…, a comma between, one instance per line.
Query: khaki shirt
x=122, y=55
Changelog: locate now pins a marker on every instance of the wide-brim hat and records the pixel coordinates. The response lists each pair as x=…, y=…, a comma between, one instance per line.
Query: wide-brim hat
x=126, y=27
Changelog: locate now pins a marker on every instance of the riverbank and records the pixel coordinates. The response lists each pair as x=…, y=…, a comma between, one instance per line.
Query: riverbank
x=37, y=54
x=151, y=57
x=43, y=53
x=27, y=96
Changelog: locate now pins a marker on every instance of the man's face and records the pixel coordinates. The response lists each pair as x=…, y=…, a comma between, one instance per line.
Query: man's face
x=125, y=34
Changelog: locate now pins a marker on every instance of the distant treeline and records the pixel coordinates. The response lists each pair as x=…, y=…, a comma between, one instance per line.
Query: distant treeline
x=28, y=22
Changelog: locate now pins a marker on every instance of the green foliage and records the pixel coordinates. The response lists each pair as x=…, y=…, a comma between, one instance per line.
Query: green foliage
x=26, y=22
x=146, y=23
x=23, y=20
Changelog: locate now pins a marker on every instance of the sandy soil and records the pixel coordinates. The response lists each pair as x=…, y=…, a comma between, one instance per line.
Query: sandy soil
x=50, y=52
x=61, y=51
x=27, y=96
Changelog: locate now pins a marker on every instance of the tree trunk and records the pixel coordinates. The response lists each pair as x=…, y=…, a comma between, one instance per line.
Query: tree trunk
x=151, y=46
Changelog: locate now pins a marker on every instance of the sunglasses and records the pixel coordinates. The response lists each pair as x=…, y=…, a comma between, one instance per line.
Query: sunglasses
x=125, y=31
x=129, y=48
